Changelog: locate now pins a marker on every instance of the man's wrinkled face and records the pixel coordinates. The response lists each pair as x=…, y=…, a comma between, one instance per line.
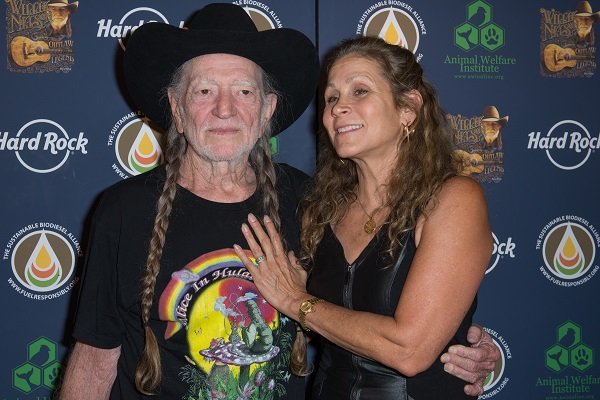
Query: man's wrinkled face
x=583, y=25
x=58, y=16
x=222, y=111
x=491, y=129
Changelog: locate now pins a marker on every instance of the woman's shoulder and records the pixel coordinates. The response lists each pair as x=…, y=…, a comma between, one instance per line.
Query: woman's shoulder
x=460, y=187
x=458, y=197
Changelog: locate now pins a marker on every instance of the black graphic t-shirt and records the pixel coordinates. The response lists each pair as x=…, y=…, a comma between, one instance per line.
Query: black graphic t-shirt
x=219, y=338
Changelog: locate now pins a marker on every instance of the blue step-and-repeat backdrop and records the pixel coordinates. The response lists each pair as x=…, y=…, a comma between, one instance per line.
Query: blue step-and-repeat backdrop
x=519, y=83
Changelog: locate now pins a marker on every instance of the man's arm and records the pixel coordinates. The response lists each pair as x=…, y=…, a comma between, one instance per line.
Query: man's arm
x=472, y=364
x=90, y=373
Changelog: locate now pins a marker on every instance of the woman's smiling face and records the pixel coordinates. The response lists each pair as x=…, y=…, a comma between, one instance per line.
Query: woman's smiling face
x=361, y=116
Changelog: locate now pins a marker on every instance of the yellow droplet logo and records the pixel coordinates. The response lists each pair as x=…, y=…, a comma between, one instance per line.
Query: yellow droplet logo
x=569, y=259
x=145, y=152
x=391, y=31
x=43, y=269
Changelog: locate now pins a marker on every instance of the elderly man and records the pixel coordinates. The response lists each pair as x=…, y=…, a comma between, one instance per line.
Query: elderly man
x=166, y=305
x=59, y=24
x=584, y=20
x=492, y=124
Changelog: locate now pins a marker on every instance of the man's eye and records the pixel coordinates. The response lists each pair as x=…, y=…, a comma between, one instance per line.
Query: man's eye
x=245, y=92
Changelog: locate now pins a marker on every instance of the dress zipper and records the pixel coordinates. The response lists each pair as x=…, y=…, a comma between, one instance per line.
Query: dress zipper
x=355, y=390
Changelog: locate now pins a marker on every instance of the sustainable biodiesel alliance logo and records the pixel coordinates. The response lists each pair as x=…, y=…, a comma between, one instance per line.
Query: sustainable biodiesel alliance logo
x=394, y=21
x=43, y=256
x=137, y=146
x=568, y=244
x=42, y=145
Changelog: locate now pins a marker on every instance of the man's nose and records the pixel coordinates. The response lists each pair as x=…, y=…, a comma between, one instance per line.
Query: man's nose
x=224, y=107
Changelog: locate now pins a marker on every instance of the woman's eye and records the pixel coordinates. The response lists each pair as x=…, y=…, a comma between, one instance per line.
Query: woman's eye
x=360, y=92
x=331, y=99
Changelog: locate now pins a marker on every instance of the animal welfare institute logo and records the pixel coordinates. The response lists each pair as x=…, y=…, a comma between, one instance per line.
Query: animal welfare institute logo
x=568, y=244
x=567, y=42
x=479, y=145
x=479, y=31
x=137, y=146
x=41, y=370
x=568, y=144
x=42, y=256
x=396, y=22
x=42, y=145
x=40, y=35
x=569, y=353
x=497, y=379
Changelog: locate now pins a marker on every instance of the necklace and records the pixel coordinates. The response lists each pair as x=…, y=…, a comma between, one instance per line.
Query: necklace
x=369, y=226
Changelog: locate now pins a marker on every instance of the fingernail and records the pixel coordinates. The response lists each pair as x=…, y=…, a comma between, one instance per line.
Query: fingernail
x=251, y=218
x=235, y=246
x=245, y=228
x=267, y=219
x=444, y=358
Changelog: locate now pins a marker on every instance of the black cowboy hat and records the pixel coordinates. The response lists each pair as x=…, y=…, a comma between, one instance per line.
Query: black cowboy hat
x=155, y=50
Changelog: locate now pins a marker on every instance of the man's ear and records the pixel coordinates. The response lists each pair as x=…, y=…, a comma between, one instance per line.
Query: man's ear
x=174, y=104
x=269, y=107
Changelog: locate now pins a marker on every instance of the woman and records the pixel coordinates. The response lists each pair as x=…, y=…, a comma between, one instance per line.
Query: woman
x=396, y=242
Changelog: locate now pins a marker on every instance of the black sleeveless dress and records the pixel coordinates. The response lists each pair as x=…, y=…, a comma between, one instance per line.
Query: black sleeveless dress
x=371, y=284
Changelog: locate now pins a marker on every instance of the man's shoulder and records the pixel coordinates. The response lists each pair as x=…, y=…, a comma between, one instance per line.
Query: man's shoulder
x=287, y=173
x=148, y=184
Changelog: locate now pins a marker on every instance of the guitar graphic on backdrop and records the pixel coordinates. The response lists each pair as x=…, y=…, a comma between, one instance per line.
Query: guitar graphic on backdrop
x=473, y=163
x=26, y=52
x=556, y=58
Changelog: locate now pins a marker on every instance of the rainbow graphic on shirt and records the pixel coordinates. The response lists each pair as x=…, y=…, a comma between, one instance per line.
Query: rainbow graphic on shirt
x=174, y=302
x=224, y=316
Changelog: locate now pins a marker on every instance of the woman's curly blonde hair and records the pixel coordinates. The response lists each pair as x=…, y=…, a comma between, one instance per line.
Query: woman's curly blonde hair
x=424, y=159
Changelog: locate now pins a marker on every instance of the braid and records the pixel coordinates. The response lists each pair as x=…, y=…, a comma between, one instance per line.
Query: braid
x=260, y=159
x=148, y=372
